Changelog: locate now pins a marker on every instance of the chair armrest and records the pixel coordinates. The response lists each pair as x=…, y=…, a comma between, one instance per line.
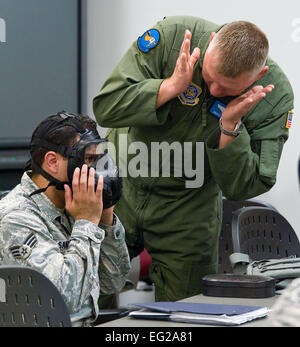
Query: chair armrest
x=107, y=315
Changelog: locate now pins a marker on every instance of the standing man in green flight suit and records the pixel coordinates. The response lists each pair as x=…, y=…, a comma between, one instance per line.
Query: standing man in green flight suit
x=189, y=80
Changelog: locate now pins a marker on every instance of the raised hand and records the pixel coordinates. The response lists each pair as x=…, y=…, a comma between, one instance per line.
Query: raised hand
x=238, y=107
x=182, y=75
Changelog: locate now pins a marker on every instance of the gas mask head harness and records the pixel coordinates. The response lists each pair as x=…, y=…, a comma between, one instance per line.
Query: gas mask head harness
x=90, y=150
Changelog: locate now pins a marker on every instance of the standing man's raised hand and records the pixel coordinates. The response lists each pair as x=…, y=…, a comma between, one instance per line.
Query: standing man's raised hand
x=182, y=75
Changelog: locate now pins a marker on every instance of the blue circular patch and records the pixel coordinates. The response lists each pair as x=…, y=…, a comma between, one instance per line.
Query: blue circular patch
x=149, y=40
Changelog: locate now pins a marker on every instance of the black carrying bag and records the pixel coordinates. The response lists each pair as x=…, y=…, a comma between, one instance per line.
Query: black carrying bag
x=283, y=270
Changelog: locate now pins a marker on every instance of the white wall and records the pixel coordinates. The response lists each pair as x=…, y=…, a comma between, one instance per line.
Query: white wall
x=111, y=27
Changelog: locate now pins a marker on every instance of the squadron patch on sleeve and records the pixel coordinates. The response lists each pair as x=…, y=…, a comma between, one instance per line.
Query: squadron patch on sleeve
x=148, y=40
x=23, y=251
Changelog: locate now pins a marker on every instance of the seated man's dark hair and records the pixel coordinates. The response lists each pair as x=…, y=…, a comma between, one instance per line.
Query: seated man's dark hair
x=66, y=135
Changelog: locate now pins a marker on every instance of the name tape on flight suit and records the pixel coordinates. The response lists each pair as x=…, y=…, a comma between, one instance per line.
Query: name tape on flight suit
x=217, y=109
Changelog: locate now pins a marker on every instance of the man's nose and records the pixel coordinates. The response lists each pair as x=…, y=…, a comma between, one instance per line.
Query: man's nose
x=216, y=90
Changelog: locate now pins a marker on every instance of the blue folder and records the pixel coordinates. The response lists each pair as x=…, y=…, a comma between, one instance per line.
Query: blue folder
x=198, y=308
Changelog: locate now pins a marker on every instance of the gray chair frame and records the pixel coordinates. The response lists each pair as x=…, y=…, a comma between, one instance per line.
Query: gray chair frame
x=225, y=239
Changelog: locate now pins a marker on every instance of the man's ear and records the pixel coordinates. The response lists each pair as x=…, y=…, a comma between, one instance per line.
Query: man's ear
x=212, y=36
x=263, y=71
x=51, y=162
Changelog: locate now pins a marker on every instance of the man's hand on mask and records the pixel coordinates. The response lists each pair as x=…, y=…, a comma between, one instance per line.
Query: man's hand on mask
x=85, y=202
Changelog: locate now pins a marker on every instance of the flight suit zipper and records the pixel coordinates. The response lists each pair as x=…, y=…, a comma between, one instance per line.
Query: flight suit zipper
x=203, y=108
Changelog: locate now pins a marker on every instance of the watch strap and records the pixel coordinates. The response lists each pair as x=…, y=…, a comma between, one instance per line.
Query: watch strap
x=237, y=130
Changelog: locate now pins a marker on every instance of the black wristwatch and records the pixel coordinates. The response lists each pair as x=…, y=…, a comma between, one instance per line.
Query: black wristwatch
x=237, y=130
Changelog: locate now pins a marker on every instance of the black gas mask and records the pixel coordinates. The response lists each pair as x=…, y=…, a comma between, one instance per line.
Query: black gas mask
x=90, y=150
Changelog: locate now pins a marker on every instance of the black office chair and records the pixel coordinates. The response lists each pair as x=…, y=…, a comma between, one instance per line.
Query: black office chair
x=263, y=233
x=30, y=299
x=225, y=240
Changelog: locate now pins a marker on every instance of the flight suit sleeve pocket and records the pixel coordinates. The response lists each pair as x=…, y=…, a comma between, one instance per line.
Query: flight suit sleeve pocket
x=269, y=158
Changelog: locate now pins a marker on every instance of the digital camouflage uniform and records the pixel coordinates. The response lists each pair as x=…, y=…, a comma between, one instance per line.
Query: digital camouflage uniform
x=178, y=226
x=78, y=257
x=286, y=310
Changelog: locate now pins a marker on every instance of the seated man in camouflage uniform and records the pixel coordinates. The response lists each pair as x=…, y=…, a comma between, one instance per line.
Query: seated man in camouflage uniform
x=62, y=232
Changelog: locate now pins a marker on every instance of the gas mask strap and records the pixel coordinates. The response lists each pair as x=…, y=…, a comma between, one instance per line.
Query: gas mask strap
x=53, y=181
x=41, y=190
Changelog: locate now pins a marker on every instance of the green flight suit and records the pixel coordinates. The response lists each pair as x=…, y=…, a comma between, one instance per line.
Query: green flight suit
x=178, y=226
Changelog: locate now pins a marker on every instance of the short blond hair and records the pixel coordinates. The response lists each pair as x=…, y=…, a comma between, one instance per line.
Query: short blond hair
x=242, y=47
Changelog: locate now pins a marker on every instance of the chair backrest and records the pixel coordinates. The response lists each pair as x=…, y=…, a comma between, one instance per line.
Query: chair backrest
x=30, y=299
x=225, y=239
x=263, y=233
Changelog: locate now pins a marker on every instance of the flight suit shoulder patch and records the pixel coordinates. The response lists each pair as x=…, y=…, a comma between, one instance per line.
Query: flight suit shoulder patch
x=148, y=40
